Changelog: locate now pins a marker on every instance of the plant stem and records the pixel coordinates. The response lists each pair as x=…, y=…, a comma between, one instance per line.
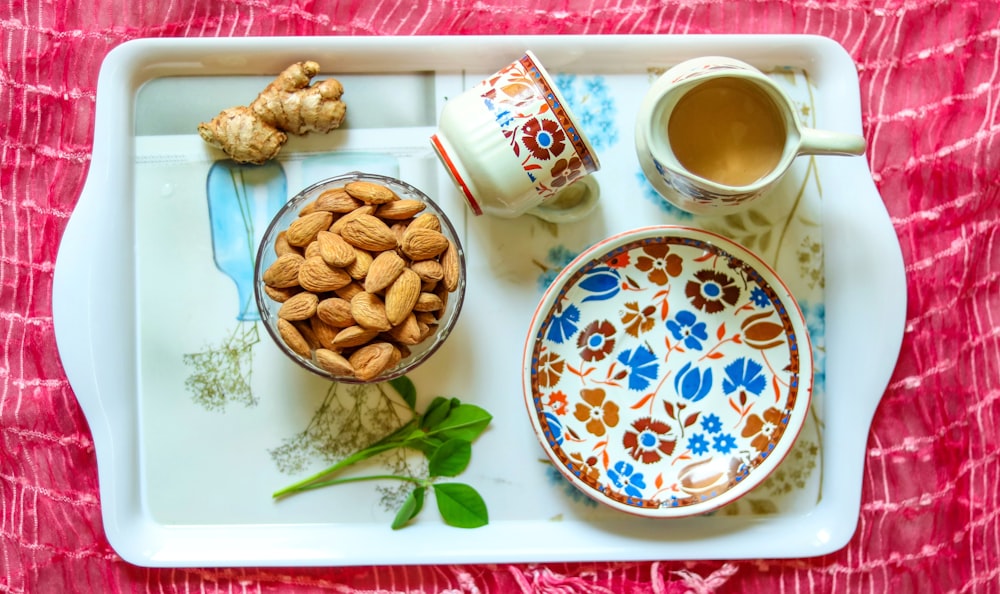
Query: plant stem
x=353, y=458
x=357, y=479
x=397, y=439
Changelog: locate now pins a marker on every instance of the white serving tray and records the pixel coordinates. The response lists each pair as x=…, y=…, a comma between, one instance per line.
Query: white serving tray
x=186, y=481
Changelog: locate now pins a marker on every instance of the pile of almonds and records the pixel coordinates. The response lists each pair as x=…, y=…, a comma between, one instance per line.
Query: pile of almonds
x=362, y=275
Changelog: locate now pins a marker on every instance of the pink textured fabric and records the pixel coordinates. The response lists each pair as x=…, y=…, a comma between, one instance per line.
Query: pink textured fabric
x=930, y=83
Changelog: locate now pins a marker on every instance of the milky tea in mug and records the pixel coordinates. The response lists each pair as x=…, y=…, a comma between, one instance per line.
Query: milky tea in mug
x=714, y=133
x=728, y=131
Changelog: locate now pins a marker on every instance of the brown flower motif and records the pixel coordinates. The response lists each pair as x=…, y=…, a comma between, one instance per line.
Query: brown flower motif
x=550, y=369
x=659, y=263
x=638, y=321
x=712, y=291
x=763, y=428
x=596, y=412
x=646, y=442
x=543, y=138
x=589, y=472
x=565, y=170
x=596, y=340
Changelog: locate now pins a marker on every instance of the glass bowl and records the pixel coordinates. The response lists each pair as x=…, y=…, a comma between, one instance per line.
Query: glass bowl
x=309, y=324
x=667, y=372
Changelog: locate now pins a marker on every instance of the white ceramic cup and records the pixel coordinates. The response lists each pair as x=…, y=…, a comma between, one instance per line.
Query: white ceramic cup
x=714, y=133
x=512, y=146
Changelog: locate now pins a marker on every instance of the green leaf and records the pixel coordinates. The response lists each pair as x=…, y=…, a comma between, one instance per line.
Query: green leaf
x=436, y=412
x=465, y=421
x=407, y=391
x=410, y=508
x=460, y=505
x=426, y=445
x=451, y=459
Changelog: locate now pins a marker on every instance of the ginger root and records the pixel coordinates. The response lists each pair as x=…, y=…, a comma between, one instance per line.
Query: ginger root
x=256, y=133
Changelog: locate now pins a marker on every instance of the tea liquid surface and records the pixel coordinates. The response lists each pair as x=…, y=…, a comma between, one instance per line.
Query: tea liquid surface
x=728, y=131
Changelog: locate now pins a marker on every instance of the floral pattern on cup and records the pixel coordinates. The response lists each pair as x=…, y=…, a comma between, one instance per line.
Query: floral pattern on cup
x=538, y=125
x=667, y=371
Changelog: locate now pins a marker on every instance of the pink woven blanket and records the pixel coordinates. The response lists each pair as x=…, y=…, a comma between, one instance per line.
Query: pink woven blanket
x=930, y=92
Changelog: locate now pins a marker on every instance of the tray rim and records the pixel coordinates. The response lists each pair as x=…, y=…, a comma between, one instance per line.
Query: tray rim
x=78, y=319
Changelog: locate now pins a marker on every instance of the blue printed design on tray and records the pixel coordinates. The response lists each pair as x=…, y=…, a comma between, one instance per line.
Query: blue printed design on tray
x=557, y=258
x=649, y=193
x=815, y=315
x=590, y=100
x=242, y=200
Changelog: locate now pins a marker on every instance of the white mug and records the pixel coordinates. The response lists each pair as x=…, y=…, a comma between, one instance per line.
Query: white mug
x=714, y=133
x=512, y=146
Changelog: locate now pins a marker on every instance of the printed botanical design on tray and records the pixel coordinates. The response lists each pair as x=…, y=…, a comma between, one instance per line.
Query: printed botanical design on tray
x=593, y=104
x=651, y=195
x=537, y=126
x=706, y=352
x=351, y=417
x=242, y=199
x=786, y=224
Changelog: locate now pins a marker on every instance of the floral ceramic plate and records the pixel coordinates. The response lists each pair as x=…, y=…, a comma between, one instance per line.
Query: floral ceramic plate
x=667, y=372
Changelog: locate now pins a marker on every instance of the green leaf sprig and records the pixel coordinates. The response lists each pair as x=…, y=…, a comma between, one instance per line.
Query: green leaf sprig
x=444, y=434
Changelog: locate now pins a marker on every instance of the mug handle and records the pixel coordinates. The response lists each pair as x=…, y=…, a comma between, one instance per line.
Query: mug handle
x=571, y=203
x=825, y=142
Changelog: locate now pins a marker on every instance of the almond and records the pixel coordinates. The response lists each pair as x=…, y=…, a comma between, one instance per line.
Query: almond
x=283, y=273
x=442, y=293
x=312, y=250
x=370, y=192
x=401, y=296
x=362, y=263
x=338, y=225
x=428, y=302
x=281, y=245
x=423, y=244
x=369, y=312
x=303, y=230
x=336, y=200
x=385, y=268
x=309, y=208
x=317, y=276
x=368, y=233
x=406, y=332
x=333, y=362
x=299, y=307
x=426, y=318
x=349, y=291
x=353, y=336
x=450, y=266
x=371, y=360
x=305, y=329
x=335, y=312
x=429, y=271
x=280, y=295
x=398, y=228
x=427, y=220
x=325, y=333
x=398, y=210
x=334, y=250
x=293, y=338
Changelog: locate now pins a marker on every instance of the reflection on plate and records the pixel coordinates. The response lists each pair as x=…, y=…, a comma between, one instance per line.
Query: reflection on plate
x=667, y=371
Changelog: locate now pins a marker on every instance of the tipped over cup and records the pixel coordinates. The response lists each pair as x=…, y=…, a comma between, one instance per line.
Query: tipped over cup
x=512, y=146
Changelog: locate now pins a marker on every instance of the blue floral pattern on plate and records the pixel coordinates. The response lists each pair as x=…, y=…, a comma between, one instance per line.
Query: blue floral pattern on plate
x=669, y=371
